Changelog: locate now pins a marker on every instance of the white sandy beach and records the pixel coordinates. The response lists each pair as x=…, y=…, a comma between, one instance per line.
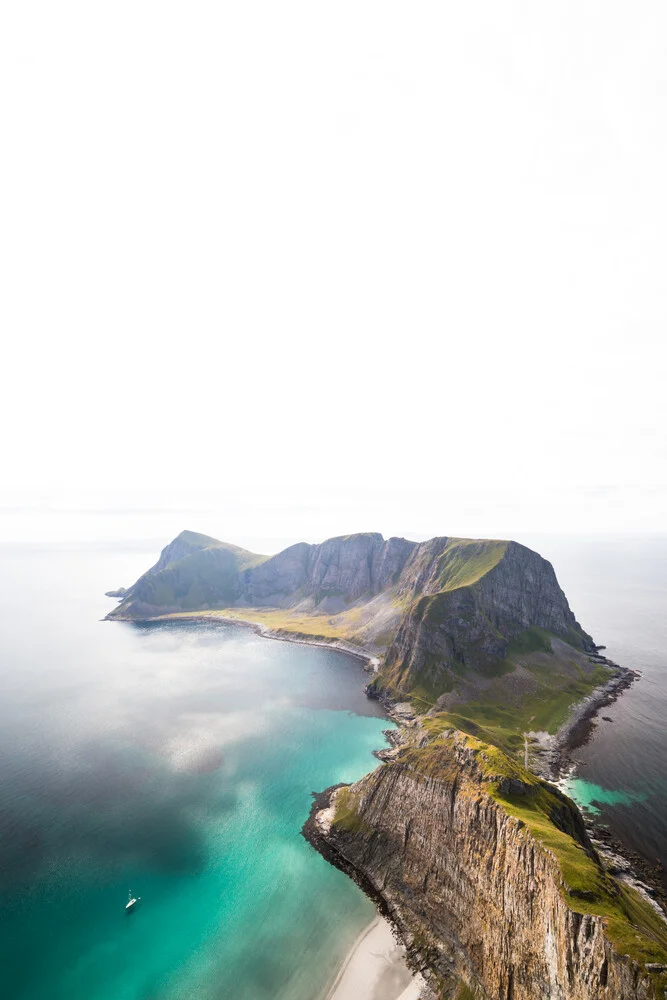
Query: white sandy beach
x=375, y=969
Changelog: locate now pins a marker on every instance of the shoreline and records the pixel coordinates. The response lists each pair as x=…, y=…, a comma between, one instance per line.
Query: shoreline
x=578, y=727
x=572, y=733
x=637, y=870
x=375, y=968
x=371, y=660
x=554, y=756
x=360, y=977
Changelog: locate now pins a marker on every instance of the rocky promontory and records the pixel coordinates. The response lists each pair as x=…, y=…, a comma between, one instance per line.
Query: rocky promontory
x=443, y=614
x=490, y=878
x=486, y=870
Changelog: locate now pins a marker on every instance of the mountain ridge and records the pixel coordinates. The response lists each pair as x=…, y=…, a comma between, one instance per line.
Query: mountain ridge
x=436, y=612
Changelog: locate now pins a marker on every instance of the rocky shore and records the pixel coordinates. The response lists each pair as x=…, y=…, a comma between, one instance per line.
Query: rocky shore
x=370, y=660
x=578, y=727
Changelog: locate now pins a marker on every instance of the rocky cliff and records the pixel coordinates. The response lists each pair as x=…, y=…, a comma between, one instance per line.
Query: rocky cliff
x=456, y=624
x=437, y=609
x=196, y=572
x=489, y=876
x=330, y=576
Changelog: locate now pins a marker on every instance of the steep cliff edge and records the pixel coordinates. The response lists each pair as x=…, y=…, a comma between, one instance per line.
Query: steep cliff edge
x=446, y=614
x=466, y=620
x=197, y=572
x=489, y=876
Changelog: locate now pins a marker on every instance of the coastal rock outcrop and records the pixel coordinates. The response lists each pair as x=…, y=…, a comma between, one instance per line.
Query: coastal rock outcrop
x=490, y=878
x=436, y=608
x=467, y=621
x=193, y=572
x=331, y=575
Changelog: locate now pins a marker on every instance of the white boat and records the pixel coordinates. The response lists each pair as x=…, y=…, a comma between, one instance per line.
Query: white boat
x=131, y=901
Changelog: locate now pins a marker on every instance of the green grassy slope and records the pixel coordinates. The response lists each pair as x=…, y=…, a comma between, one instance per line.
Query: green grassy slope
x=193, y=572
x=455, y=562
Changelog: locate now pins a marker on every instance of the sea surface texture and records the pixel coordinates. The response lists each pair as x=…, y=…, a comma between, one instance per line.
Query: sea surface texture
x=618, y=590
x=175, y=760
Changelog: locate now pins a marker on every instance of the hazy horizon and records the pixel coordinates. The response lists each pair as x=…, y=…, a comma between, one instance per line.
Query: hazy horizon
x=147, y=530
x=336, y=267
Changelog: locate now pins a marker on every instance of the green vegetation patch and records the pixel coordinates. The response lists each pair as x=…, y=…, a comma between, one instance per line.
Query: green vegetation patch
x=532, y=640
x=503, y=722
x=299, y=624
x=486, y=731
x=574, y=638
x=242, y=557
x=464, y=992
x=464, y=561
x=346, y=815
x=431, y=681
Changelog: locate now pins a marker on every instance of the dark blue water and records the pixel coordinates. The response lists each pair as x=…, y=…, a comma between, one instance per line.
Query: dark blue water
x=617, y=587
x=178, y=761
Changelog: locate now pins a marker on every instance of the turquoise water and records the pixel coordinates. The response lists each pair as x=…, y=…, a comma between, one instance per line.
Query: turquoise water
x=593, y=798
x=178, y=761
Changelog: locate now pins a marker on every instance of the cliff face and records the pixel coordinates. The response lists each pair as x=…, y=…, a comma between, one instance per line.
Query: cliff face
x=331, y=575
x=196, y=572
x=458, y=600
x=478, y=899
x=443, y=612
x=471, y=624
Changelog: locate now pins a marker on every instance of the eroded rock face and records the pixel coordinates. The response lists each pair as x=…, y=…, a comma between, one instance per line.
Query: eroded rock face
x=349, y=567
x=442, y=605
x=474, y=896
x=279, y=579
x=522, y=590
x=195, y=572
x=471, y=626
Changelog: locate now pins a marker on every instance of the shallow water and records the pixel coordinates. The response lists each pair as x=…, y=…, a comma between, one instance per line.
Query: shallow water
x=176, y=760
x=594, y=798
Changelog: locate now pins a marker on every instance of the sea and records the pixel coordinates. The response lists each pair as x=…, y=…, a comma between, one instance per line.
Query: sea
x=178, y=761
x=175, y=761
x=617, y=587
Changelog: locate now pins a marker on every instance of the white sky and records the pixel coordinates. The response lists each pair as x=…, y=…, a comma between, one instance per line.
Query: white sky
x=254, y=249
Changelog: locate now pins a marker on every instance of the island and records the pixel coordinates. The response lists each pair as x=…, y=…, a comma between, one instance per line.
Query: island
x=485, y=869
